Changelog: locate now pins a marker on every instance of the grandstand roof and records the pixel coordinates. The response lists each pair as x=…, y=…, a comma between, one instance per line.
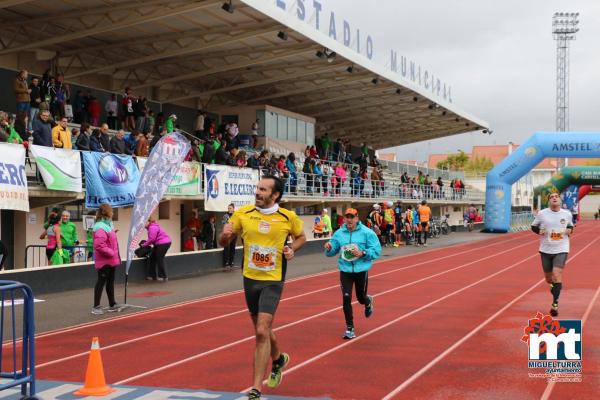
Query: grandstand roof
x=193, y=53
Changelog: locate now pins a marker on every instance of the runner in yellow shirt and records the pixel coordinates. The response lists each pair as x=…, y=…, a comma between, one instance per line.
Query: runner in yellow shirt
x=264, y=229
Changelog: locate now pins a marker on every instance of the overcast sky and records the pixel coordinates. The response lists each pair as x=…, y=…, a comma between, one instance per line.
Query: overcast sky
x=499, y=57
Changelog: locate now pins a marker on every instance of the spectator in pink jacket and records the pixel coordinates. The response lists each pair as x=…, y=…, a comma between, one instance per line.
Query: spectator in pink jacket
x=341, y=177
x=106, y=258
x=161, y=241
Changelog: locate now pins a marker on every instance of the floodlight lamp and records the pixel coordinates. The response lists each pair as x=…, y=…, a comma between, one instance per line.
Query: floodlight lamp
x=228, y=6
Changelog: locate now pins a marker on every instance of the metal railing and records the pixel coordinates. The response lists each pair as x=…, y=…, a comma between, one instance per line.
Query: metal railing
x=23, y=370
x=35, y=255
x=521, y=221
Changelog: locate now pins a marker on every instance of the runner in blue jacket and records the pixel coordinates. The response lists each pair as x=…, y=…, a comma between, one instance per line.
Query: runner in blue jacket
x=358, y=247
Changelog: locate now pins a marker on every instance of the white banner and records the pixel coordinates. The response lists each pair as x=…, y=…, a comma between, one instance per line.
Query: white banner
x=13, y=181
x=226, y=185
x=60, y=169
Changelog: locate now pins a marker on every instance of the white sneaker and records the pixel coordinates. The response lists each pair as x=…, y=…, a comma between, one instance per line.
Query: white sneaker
x=97, y=310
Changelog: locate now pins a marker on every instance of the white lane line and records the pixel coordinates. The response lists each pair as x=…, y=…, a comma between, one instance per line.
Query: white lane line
x=244, y=310
x=449, y=350
x=517, y=236
x=228, y=345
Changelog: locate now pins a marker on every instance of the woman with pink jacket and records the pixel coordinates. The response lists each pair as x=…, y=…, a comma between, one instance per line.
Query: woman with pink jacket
x=341, y=177
x=161, y=241
x=106, y=258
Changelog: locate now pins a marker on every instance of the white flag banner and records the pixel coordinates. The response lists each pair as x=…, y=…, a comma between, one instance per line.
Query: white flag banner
x=13, y=180
x=226, y=185
x=60, y=168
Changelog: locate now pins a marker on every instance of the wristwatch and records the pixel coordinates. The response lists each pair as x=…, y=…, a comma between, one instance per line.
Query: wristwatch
x=364, y=253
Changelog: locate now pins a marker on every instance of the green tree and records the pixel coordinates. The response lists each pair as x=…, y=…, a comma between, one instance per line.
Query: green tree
x=455, y=162
x=479, y=165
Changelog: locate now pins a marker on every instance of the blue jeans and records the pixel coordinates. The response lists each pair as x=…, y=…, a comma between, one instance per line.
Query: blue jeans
x=33, y=112
x=24, y=106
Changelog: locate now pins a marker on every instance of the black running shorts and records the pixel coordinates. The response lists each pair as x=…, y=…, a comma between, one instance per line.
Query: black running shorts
x=262, y=296
x=550, y=261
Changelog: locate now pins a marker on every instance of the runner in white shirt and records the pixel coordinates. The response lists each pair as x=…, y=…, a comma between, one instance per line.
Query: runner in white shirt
x=555, y=226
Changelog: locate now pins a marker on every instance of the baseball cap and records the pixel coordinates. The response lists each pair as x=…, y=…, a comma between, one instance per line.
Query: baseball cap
x=351, y=211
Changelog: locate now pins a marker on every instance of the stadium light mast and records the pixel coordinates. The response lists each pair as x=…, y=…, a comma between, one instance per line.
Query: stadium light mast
x=564, y=28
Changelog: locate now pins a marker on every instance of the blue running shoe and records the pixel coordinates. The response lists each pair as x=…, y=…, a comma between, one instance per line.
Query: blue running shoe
x=369, y=308
x=349, y=334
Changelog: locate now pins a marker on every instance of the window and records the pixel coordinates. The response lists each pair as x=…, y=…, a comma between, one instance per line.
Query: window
x=291, y=129
x=271, y=125
x=310, y=134
x=301, y=132
x=282, y=127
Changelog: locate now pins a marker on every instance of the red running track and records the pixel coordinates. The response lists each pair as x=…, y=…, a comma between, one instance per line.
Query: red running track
x=447, y=324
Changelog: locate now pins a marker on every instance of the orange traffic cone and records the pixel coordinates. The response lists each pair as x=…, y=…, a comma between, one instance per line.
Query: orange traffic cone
x=95, y=384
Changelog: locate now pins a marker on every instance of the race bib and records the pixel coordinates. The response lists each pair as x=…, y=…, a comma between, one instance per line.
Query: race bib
x=554, y=235
x=262, y=258
x=347, y=252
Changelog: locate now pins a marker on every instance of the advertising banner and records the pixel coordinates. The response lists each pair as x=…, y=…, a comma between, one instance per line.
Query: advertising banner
x=186, y=181
x=110, y=178
x=226, y=185
x=60, y=169
x=13, y=181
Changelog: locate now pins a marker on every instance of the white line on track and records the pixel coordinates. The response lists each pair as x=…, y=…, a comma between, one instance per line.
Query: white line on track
x=244, y=310
x=226, y=346
x=516, y=236
x=449, y=350
x=551, y=384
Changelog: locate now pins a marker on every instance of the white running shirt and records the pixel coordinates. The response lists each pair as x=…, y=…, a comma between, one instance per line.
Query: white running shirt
x=555, y=224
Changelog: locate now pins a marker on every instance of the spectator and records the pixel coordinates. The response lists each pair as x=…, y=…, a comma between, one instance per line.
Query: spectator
x=59, y=94
x=307, y=152
x=375, y=182
x=161, y=241
x=22, y=91
x=312, y=152
x=68, y=233
x=140, y=110
x=96, y=142
x=318, y=175
x=21, y=125
x=341, y=177
x=35, y=99
x=307, y=168
x=170, y=123
x=253, y=161
x=209, y=233
x=208, y=154
x=42, y=130
x=83, y=139
x=281, y=167
x=61, y=135
x=191, y=232
x=93, y=109
x=160, y=121
x=141, y=148
x=74, y=135
x=131, y=140
x=106, y=258
x=128, y=111
x=111, y=109
x=117, y=143
x=68, y=110
x=326, y=146
x=199, y=125
x=105, y=137
x=318, y=228
x=80, y=107
x=52, y=232
x=240, y=159
x=229, y=249
x=327, y=229
x=150, y=120
x=290, y=165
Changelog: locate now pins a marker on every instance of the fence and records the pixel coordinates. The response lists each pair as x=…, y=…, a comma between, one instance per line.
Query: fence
x=35, y=255
x=23, y=373
x=521, y=221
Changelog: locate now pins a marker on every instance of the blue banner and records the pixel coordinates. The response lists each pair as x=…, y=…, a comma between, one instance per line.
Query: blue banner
x=569, y=198
x=162, y=164
x=109, y=178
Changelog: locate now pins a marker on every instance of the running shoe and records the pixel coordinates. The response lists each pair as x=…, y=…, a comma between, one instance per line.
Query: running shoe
x=554, y=310
x=97, y=310
x=114, y=308
x=276, y=376
x=254, y=394
x=349, y=334
x=369, y=308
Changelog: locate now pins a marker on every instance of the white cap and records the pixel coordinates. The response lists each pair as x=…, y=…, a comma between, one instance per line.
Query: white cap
x=325, y=210
x=173, y=116
x=376, y=206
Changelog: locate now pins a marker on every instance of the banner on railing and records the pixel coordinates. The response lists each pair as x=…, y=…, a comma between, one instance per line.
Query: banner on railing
x=225, y=185
x=186, y=181
x=162, y=164
x=110, y=178
x=13, y=181
x=60, y=169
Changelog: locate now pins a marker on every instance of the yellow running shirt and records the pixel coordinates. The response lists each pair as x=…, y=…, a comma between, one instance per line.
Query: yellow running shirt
x=264, y=237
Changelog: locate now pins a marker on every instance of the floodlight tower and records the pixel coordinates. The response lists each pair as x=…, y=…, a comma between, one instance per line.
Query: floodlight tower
x=564, y=28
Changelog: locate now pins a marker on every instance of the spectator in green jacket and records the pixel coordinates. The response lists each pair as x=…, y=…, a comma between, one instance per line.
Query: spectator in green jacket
x=68, y=232
x=170, y=123
x=328, y=230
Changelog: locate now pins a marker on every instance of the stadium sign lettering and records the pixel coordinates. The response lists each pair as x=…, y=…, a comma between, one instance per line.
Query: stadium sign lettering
x=571, y=147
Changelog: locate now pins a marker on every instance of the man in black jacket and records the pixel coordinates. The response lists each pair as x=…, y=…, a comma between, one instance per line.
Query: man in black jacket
x=42, y=130
x=104, y=137
x=117, y=144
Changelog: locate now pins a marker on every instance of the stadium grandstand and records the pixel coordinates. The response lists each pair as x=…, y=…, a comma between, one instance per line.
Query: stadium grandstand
x=269, y=78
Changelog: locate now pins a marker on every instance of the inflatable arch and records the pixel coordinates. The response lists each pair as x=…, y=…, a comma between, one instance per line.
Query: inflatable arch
x=500, y=179
x=560, y=181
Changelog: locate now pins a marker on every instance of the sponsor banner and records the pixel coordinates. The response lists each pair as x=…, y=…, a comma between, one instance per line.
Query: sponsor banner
x=110, y=178
x=60, y=169
x=186, y=182
x=13, y=181
x=569, y=198
x=226, y=185
x=160, y=167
